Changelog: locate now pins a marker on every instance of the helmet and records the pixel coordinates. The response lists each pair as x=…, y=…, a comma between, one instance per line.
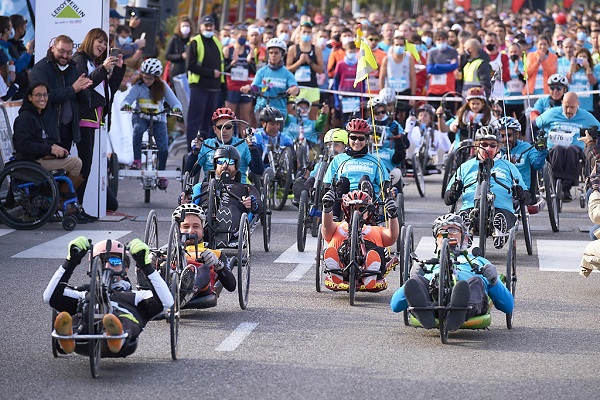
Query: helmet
x=489, y=132
x=388, y=95
x=558, y=79
x=427, y=108
x=376, y=102
x=356, y=198
x=228, y=152
x=270, y=114
x=223, y=113
x=451, y=219
x=190, y=208
x=358, y=125
x=276, y=42
x=336, y=135
x=152, y=66
x=116, y=250
x=476, y=92
x=508, y=123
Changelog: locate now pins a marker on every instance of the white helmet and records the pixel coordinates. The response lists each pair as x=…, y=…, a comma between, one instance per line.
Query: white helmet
x=152, y=66
x=388, y=95
x=558, y=79
x=375, y=101
x=190, y=208
x=276, y=42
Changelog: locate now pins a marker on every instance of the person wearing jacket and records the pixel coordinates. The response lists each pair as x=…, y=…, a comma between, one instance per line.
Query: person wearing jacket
x=176, y=51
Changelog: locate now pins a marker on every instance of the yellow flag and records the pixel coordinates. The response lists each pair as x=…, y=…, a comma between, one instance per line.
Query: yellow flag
x=359, y=36
x=366, y=63
x=412, y=50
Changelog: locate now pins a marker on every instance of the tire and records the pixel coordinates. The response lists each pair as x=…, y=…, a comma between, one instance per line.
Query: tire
x=318, y=196
x=147, y=195
x=418, y=175
x=28, y=195
x=151, y=231
x=444, y=288
x=265, y=218
x=243, y=260
x=511, y=272
x=174, y=314
x=526, y=229
x=210, y=229
x=302, y=221
x=96, y=306
x=449, y=169
x=174, y=254
x=400, y=206
x=483, y=215
x=113, y=173
x=559, y=194
x=319, y=265
x=283, y=178
x=407, y=249
x=354, y=254
x=551, y=197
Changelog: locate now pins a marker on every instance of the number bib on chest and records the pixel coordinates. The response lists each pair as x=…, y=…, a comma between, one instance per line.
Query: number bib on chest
x=560, y=138
x=350, y=104
x=239, y=74
x=303, y=74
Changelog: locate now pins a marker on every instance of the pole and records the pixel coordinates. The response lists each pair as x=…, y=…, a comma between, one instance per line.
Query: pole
x=241, y=10
x=261, y=7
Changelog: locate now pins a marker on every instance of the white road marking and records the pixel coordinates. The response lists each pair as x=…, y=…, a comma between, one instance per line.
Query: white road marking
x=298, y=272
x=236, y=337
x=560, y=255
x=5, y=231
x=426, y=247
x=57, y=248
x=293, y=256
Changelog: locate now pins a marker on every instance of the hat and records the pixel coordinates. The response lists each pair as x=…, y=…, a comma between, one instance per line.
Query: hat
x=207, y=19
x=253, y=29
x=560, y=19
x=459, y=10
x=115, y=14
x=17, y=20
x=456, y=27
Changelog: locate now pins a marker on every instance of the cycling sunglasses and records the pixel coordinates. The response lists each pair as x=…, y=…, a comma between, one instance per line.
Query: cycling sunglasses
x=450, y=231
x=557, y=87
x=382, y=112
x=224, y=126
x=357, y=138
x=225, y=160
x=114, y=261
x=490, y=145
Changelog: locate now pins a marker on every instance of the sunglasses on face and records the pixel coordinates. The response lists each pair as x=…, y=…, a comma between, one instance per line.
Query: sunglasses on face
x=556, y=88
x=224, y=126
x=382, y=112
x=357, y=138
x=490, y=145
x=373, y=39
x=451, y=230
x=114, y=261
x=228, y=161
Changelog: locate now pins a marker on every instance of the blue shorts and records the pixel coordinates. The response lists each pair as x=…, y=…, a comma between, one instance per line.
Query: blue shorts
x=235, y=97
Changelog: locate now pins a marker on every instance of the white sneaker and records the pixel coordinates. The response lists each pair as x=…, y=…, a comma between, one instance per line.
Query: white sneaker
x=500, y=234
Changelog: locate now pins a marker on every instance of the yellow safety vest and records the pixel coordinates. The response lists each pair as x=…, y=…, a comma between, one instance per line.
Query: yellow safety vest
x=470, y=71
x=195, y=78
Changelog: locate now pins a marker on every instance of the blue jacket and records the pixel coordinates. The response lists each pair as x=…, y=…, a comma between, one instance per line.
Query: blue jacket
x=526, y=157
x=354, y=168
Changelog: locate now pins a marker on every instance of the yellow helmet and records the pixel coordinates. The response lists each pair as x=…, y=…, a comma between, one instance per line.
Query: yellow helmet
x=336, y=135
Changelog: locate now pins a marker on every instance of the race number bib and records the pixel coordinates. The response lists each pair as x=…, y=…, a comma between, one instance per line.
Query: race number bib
x=148, y=106
x=239, y=74
x=560, y=138
x=440, y=79
x=350, y=104
x=303, y=74
x=374, y=84
x=515, y=86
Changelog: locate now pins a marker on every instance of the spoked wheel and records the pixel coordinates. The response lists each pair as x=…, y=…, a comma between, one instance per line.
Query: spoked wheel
x=551, y=197
x=483, y=215
x=113, y=173
x=28, y=195
x=408, y=246
x=320, y=265
x=302, y=227
x=559, y=194
x=317, y=196
x=418, y=174
x=283, y=179
x=69, y=222
x=354, y=262
x=449, y=168
x=97, y=307
x=444, y=288
x=151, y=231
x=174, y=314
x=526, y=229
x=265, y=218
x=243, y=261
x=511, y=272
x=174, y=254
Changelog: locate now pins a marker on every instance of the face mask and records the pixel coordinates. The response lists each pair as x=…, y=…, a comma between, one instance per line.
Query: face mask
x=261, y=29
x=284, y=36
x=398, y=50
x=514, y=57
x=11, y=34
x=528, y=39
x=185, y=30
x=490, y=47
x=427, y=40
x=125, y=40
x=581, y=36
x=351, y=57
x=305, y=38
x=241, y=41
x=346, y=40
x=321, y=42
x=208, y=34
x=441, y=45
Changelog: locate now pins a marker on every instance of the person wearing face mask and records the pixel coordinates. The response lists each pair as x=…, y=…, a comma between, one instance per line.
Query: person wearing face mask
x=398, y=70
x=7, y=32
x=128, y=47
x=305, y=61
x=176, y=51
x=343, y=80
x=582, y=78
x=240, y=70
x=205, y=65
x=498, y=64
x=16, y=50
x=475, y=68
x=338, y=54
x=565, y=61
x=514, y=86
x=441, y=64
x=582, y=34
x=282, y=32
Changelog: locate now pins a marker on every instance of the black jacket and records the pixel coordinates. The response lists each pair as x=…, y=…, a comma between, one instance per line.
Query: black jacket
x=176, y=47
x=206, y=68
x=60, y=90
x=30, y=138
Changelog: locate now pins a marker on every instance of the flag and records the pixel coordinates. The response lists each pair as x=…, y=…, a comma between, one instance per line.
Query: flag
x=412, y=50
x=517, y=4
x=366, y=63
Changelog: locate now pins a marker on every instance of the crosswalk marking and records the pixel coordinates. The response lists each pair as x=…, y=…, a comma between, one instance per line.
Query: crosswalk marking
x=5, y=231
x=236, y=337
x=298, y=272
x=560, y=255
x=293, y=256
x=57, y=248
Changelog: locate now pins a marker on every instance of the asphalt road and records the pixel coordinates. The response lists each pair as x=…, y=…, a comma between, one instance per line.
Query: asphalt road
x=300, y=344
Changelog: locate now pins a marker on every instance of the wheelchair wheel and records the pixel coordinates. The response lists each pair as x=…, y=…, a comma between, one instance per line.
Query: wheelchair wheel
x=97, y=307
x=526, y=229
x=302, y=227
x=444, y=288
x=69, y=222
x=449, y=168
x=559, y=194
x=265, y=218
x=551, y=197
x=174, y=314
x=28, y=195
x=283, y=179
x=400, y=206
x=354, y=255
x=210, y=230
x=511, y=271
x=418, y=175
x=112, y=173
x=151, y=231
x=243, y=261
x=320, y=265
x=408, y=248
x=483, y=215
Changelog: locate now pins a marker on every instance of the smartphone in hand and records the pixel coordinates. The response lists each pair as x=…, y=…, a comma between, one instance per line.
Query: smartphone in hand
x=114, y=52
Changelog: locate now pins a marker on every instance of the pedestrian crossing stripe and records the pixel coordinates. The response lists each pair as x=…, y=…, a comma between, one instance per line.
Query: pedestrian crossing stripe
x=560, y=255
x=57, y=248
x=5, y=231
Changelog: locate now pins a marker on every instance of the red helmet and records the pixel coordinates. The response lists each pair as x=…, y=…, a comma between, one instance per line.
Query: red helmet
x=356, y=200
x=223, y=113
x=358, y=125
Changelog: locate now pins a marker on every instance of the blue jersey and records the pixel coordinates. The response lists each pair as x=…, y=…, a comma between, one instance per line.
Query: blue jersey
x=262, y=141
x=385, y=131
x=543, y=103
x=271, y=83
x=205, y=156
x=354, y=168
x=292, y=129
x=514, y=87
x=563, y=131
x=580, y=83
x=502, y=298
x=526, y=157
x=506, y=173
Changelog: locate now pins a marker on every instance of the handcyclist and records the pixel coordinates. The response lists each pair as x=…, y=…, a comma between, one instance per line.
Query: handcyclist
x=477, y=279
x=439, y=143
x=271, y=121
x=132, y=309
x=559, y=85
x=503, y=172
x=300, y=126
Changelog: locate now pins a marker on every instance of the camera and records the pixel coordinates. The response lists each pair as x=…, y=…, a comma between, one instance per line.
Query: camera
x=592, y=130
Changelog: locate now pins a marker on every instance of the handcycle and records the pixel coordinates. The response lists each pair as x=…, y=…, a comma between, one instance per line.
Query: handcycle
x=460, y=152
x=420, y=160
x=30, y=197
x=89, y=333
x=445, y=278
x=148, y=174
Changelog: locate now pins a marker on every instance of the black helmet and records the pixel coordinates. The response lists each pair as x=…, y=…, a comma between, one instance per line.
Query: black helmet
x=226, y=151
x=270, y=114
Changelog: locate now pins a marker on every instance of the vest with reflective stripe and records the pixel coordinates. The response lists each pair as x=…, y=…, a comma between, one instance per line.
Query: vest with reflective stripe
x=194, y=78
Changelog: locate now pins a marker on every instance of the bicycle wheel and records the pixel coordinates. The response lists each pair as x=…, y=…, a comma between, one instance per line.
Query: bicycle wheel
x=265, y=218
x=319, y=266
x=444, y=288
x=418, y=175
x=526, y=229
x=354, y=254
x=407, y=249
x=174, y=254
x=151, y=231
x=283, y=178
x=210, y=230
x=511, y=271
x=551, y=197
x=449, y=168
x=483, y=215
x=302, y=221
x=559, y=194
x=243, y=260
x=400, y=207
x=112, y=173
x=174, y=314
x=28, y=195
x=96, y=308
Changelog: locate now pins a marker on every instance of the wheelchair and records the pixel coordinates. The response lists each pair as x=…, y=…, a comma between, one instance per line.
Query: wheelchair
x=442, y=284
x=281, y=172
x=30, y=197
x=89, y=333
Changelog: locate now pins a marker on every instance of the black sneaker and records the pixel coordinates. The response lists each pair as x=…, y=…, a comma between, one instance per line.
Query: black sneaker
x=461, y=293
x=82, y=219
x=567, y=197
x=88, y=216
x=417, y=298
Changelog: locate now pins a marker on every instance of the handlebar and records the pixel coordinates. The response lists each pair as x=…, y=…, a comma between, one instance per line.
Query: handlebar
x=167, y=111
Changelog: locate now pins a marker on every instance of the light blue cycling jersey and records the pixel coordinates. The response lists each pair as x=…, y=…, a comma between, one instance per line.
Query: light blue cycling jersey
x=525, y=157
x=505, y=172
x=543, y=103
x=272, y=82
x=205, y=156
x=385, y=131
x=502, y=298
x=262, y=140
x=563, y=131
x=292, y=129
x=354, y=168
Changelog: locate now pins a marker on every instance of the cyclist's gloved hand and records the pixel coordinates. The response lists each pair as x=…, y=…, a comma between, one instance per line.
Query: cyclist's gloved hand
x=78, y=248
x=390, y=207
x=541, y=143
x=177, y=111
x=519, y=193
x=328, y=200
x=207, y=257
x=140, y=252
x=416, y=270
x=457, y=186
x=489, y=271
x=127, y=107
